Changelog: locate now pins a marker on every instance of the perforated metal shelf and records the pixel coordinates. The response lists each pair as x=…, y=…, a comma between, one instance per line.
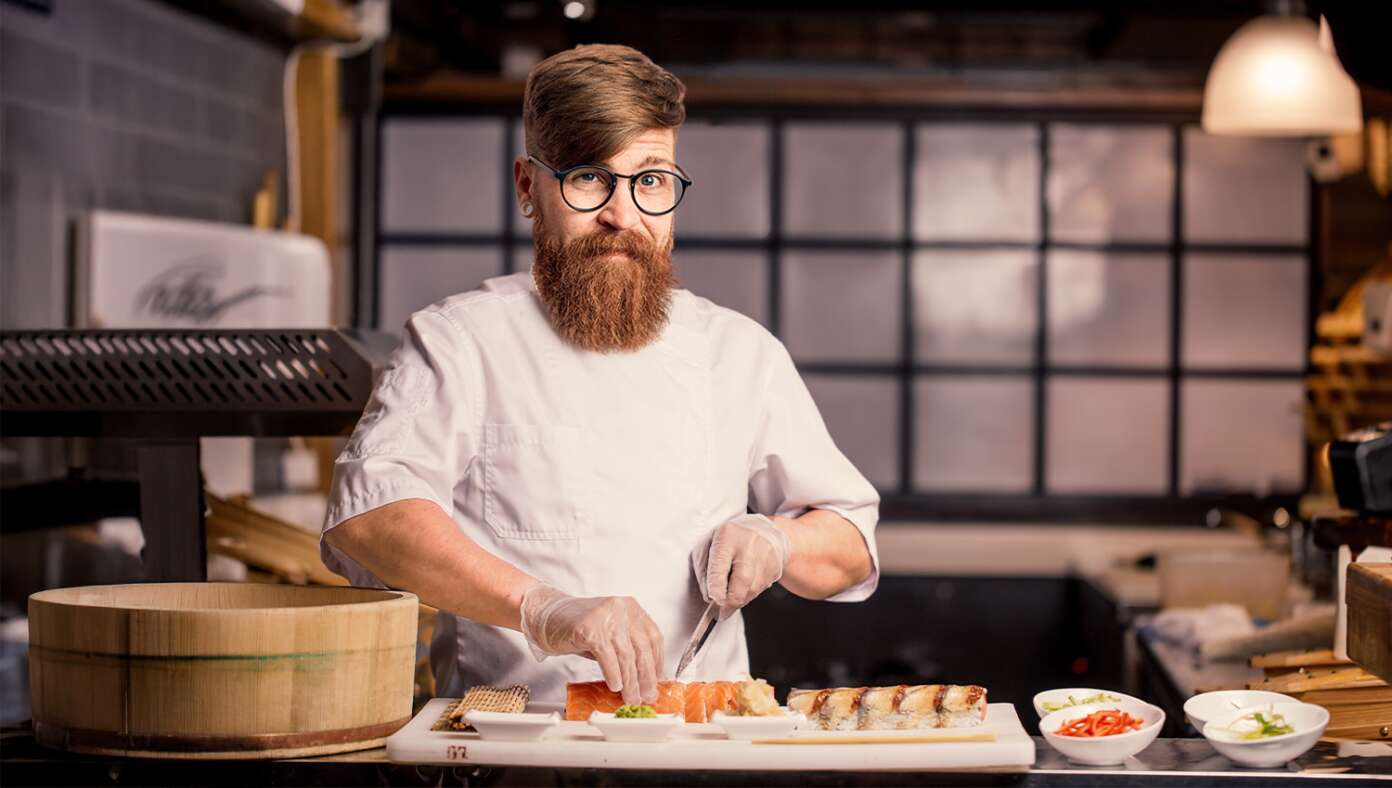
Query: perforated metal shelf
x=150, y=383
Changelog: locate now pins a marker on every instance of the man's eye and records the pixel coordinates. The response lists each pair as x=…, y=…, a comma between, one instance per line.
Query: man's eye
x=651, y=180
x=586, y=177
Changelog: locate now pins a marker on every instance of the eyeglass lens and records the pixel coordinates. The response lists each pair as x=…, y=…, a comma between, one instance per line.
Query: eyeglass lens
x=655, y=191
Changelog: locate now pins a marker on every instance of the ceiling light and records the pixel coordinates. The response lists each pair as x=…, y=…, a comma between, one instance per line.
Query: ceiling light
x=1279, y=76
x=576, y=10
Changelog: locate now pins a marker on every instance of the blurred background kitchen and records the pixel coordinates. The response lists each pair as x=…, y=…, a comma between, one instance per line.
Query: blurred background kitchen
x=1088, y=328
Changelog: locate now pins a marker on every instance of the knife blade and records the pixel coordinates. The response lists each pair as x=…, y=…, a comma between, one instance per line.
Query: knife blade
x=698, y=638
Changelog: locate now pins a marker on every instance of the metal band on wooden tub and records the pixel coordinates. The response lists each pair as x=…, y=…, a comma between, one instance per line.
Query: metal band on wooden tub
x=233, y=746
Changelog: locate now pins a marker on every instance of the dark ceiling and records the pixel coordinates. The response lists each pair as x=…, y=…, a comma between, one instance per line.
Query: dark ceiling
x=1168, y=43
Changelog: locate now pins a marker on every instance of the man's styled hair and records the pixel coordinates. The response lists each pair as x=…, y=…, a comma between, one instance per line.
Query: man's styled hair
x=585, y=104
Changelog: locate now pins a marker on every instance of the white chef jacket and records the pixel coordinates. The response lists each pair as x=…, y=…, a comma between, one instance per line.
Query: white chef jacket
x=595, y=472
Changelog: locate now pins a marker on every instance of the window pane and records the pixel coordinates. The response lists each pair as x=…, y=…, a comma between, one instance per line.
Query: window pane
x=976, y=183
x=1242, y=437
x=842, y=305
x=1244, y=311
x=1241, y=189
x=442, y=176
x=1110, y=183
x=416, y=278
x=729, y=166
x=973, y=434
x=1108, y=436
x=1109, y=309
x=734, y=279
x=843, y=180
x=975, y=306
x=862, y=415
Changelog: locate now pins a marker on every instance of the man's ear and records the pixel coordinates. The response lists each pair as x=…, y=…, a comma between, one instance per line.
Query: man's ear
x=522, y=179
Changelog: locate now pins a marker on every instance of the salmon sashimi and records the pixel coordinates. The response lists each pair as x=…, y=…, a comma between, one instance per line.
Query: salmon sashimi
x=590, y=696
x=696, y=702
x=704, y=699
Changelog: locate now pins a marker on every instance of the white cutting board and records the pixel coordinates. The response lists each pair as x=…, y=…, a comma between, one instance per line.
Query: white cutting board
x=704, y=747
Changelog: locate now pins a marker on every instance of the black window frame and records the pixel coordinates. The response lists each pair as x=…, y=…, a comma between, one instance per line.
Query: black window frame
x=904, y=503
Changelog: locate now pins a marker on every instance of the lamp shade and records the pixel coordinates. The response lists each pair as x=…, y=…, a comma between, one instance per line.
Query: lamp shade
x=1276, y=77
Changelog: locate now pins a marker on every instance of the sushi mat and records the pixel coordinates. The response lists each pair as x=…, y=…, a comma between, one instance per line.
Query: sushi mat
x=704, y=747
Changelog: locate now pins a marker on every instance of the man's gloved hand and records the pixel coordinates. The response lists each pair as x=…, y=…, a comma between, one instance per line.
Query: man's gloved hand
x=740, y=561
x=615, y=631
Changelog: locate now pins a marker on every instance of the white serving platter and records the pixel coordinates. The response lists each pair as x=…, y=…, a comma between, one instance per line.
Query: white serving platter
x=705, y=747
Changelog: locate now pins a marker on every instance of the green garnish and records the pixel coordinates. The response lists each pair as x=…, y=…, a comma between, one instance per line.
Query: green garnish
x=1268, y=725
x=1100, y=697
x=635, y=711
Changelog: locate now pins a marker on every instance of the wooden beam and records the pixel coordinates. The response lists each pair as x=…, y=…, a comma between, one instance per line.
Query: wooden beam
x=467, y=89
x=317, y=109
x=456, y=88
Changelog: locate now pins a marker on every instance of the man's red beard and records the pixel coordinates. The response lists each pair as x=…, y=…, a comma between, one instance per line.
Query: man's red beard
x=602, y=303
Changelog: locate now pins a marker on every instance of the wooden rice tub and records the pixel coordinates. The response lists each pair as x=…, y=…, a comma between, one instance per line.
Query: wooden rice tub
x=220, y=670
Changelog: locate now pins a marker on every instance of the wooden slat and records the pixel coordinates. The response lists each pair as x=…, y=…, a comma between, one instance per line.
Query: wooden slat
x=1349, y=678
x=1369, y=595
x=1298, y=659
x=266, y=543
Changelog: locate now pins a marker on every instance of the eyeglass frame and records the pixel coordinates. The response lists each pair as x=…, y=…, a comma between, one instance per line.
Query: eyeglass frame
x=613, y=185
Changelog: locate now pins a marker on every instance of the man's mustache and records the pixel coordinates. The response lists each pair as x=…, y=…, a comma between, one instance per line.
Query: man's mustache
x=601, y=243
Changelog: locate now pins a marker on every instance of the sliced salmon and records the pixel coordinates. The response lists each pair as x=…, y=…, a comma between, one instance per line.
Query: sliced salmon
x=590, y=696
x=696, y=702
x=704, y=699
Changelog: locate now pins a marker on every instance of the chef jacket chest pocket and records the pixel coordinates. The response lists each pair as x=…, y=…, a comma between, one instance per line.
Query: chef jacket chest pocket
x=530, y=481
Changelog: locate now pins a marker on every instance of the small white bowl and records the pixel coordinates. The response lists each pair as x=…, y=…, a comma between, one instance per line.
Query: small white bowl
x=1077, y=694
x=749, y=728
x=1206, y=706
x=510, y=726
x=1103, y=750
x=1308, y=720
x=635, y=729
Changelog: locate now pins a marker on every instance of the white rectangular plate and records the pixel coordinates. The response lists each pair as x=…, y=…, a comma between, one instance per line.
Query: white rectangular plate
x=705, y=747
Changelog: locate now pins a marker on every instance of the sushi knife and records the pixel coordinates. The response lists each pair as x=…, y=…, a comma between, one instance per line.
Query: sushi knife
x=698, y=638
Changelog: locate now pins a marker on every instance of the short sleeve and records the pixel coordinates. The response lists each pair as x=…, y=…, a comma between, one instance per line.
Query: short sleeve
x=796, y=466
x=412, y=439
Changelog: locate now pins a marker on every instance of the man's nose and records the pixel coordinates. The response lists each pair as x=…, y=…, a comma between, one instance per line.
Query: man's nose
x=620, y=213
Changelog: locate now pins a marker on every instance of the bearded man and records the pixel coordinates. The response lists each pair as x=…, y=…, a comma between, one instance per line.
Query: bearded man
x=572, y=463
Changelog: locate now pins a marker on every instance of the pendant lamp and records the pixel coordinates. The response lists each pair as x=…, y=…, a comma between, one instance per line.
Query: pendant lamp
x=1278, y=76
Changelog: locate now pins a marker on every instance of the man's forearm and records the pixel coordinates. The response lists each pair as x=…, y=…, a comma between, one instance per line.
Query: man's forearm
x=414, y=546
x=829, y=554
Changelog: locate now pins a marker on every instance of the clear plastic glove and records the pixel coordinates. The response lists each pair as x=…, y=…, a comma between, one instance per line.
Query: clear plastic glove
x=614, y=631
x=740, y=561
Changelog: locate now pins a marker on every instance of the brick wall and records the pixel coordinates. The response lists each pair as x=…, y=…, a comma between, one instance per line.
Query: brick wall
x=127, y=105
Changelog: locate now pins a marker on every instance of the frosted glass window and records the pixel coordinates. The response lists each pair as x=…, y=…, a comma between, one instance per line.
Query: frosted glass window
x=416, y=278
x=975, y=306
x=1109, y=309
x=1110, y=183
x=842, y=305
x=1244, y=190
x=843, y=180
x=1241, y=436
x=729, y=165
x=442, y=176
x=734, y=279
x=976, y=182
x=1244, y=311
x=974, y=434
x=522, y=254
x=1107, y=436
x=862, y=415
